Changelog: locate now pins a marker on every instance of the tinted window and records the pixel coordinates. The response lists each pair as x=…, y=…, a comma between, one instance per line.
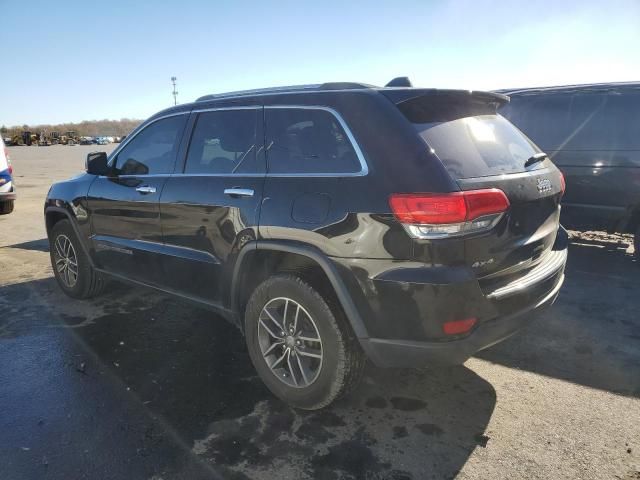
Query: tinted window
x=626, y=109
x=604, y=121
x=544, y=119
x=587, y=123
x=308, y=141
x=224, y=142
x=578, y=121
x=478, y=146
x=154, y=149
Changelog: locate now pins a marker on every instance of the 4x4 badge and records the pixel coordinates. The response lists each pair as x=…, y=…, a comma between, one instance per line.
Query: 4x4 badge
x=544, y=185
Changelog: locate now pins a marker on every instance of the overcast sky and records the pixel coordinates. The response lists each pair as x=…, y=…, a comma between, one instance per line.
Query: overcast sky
x=89, y=60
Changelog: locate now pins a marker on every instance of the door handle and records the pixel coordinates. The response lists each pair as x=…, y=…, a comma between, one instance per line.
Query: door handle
x=238, y=192
x=146, y=189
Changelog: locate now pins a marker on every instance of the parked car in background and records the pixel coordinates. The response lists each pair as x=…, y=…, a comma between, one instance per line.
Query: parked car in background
x=86, y=141
x=101, y=141
x=332, y=223
x=7, y=189
x=592, y=133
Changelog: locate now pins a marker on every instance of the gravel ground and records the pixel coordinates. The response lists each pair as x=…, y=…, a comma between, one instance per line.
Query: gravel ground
x=139, y=385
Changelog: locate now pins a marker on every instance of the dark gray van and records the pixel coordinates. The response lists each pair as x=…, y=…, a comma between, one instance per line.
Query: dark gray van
x=592, y=133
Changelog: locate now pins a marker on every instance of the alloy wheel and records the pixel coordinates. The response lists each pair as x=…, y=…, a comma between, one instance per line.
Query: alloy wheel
x=290, y=342
x=66, y=261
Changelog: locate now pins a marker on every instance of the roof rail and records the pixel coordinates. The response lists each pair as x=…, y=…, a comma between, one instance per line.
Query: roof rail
x=256, y=91
x=290, y=88
x=344, y=86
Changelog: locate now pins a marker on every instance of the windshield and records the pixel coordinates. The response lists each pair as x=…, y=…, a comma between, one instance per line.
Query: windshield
x=478, y=146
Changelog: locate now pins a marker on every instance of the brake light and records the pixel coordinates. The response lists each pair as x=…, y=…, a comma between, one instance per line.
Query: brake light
x=458, y=327
x=436, y=215
x=563, y=185
x=429, y=208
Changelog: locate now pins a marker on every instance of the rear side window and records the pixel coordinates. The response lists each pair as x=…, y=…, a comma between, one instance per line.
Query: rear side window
x=224, y=142
x=478, y=146
x=307, y=140
x=544, y=119
x=152, y=151
x=578, y=120
x=604, y=121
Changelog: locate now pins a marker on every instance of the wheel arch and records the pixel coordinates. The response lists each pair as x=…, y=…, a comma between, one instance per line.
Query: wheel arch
x=54, y=214
x=313, y=258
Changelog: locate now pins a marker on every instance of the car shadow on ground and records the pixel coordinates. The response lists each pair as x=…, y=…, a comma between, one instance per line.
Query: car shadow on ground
x=591, y=335
x=170, y=388
x=41, y=245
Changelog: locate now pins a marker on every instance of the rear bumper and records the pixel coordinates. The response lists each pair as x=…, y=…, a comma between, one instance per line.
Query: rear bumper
x=402, y=353
x=404, y=306
x=8, y=196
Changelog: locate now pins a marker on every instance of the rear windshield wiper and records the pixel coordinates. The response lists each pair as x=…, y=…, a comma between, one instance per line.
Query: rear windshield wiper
x=535, y=158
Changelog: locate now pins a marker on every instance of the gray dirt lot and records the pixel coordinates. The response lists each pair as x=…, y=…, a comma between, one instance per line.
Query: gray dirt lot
x=138, y=385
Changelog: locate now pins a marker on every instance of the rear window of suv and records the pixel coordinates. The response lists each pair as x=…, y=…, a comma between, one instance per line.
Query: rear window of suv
x=469, y=138
x=478, y=146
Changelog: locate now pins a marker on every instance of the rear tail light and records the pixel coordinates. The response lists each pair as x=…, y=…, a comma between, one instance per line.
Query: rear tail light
x=563, y=185
x=438, y=215
x=458, y=327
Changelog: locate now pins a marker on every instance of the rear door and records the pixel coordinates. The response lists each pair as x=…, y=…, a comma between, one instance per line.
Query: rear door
x=124, y=208
x=481, y=149
x=210, y=206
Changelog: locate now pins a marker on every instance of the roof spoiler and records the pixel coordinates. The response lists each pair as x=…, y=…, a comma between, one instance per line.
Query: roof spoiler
x=401, y=95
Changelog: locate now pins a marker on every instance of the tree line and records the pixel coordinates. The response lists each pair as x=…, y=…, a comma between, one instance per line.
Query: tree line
x=86, y=128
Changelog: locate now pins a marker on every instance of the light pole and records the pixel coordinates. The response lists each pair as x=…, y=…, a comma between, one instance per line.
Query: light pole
x=175, y=92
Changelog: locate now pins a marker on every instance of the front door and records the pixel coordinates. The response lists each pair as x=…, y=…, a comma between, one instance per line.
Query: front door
x=125, y=215
x=210, y=207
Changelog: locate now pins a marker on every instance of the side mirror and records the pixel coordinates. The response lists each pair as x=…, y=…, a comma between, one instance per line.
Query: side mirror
x=97, y=164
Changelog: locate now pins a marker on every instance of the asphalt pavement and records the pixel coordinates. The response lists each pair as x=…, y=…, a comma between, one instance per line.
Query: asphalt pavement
x=138, y=385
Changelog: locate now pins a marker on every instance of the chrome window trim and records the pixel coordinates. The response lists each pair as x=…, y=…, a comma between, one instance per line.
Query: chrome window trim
x=364, y=167
x=137, y=131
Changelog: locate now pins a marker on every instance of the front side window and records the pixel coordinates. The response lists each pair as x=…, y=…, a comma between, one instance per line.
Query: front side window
x=224, y=142
x=301, y=140
x=153, y=150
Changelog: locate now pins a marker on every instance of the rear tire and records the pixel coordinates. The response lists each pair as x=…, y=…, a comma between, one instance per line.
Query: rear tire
x=71, y=267
x=324, y=360
x=6, y=207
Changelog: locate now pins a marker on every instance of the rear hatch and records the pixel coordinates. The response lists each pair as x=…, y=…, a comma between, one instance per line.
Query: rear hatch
x=482, y=150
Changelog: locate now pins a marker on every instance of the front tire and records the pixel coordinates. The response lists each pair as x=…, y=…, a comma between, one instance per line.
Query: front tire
x=71, y=267
x=303, y=350
x=6, y=207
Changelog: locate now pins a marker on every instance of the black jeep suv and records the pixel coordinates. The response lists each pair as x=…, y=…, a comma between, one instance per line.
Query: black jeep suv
x=332, y=223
